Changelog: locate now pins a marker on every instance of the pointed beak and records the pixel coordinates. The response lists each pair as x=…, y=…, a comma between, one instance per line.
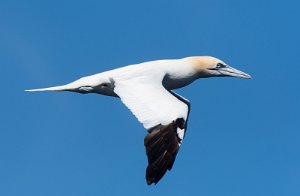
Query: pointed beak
x=229, y=71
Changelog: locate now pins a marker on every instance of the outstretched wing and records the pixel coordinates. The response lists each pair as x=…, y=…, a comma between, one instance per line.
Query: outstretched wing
x=164, y=114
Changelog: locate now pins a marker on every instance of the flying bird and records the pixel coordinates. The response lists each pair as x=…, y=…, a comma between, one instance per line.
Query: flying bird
x=147, y=90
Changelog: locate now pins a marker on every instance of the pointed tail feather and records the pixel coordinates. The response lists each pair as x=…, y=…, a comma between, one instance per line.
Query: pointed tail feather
x=73, y=86
x=55, y=88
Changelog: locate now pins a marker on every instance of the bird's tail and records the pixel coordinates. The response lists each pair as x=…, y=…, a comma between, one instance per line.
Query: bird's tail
x=75, y=86
x=66, y=87
x=54, y=88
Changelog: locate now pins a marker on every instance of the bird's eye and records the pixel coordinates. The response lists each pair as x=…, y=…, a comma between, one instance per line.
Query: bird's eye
x=220, y=65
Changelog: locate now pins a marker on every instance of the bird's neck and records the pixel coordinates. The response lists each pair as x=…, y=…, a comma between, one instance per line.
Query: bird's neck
x=179, y=75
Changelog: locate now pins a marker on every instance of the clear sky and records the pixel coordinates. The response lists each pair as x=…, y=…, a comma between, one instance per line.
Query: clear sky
x=243, y=136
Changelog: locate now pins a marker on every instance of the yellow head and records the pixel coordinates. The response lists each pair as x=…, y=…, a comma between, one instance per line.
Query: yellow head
x=208, y=66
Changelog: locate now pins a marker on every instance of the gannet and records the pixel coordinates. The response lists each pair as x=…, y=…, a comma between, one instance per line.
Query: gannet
x=147, y=90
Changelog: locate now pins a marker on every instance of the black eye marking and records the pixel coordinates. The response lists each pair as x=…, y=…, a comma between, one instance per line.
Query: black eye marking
x=220, y=65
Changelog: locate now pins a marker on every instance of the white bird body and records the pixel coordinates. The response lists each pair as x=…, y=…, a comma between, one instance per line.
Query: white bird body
x=179, y=74
x=146, y=89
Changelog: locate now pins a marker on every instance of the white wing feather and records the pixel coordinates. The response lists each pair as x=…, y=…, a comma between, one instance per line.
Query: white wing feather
x=150, y=102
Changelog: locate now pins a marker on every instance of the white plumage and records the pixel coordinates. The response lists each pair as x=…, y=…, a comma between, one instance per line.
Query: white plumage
x=146, y=89
x=156, y=106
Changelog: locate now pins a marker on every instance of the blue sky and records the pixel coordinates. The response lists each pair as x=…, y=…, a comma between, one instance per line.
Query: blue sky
x=243, y=136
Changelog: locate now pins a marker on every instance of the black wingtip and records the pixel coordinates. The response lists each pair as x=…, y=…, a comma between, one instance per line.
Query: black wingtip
x=149, y=176
x=162, y=144
x=149, y=181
